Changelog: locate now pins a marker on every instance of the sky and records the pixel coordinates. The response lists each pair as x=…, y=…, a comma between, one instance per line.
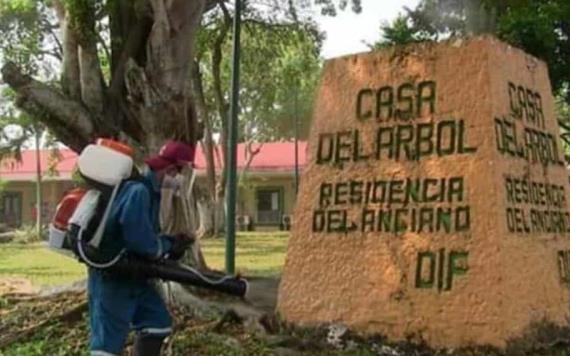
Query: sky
x=348, y=32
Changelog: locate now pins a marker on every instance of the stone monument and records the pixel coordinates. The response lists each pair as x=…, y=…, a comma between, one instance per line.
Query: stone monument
x=435, y=201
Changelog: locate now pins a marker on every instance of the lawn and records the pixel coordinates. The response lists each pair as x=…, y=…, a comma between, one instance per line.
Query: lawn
x=259, y=254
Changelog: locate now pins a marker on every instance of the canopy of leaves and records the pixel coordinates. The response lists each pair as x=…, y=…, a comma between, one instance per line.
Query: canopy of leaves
x=400, y=31
x=16, y=128
x=280, y=56
x=280, y=72
x=29, y=34
x=280, y=65
x=540, y=27
x=29, y=37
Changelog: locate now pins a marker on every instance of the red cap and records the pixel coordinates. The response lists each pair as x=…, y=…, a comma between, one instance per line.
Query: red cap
x=173, y=152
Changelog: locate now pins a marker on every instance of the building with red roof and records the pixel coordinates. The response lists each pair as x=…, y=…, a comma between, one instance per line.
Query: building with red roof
x=266, y=193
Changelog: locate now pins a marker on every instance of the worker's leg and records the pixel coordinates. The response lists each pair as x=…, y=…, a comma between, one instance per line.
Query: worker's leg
x=151, y=321
x=111, y=308
x=148, y=345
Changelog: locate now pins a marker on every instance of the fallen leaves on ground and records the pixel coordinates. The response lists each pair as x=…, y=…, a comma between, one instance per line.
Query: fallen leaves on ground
x=57, y=325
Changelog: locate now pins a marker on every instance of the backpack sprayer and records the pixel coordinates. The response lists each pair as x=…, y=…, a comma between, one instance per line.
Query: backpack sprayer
x=80, y=218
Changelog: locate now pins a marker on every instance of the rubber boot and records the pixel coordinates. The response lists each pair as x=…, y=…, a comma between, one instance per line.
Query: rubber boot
x=147, y=345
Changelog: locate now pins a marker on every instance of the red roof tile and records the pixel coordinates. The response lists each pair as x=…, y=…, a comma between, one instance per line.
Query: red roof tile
x=13, y=169
x=272, y=157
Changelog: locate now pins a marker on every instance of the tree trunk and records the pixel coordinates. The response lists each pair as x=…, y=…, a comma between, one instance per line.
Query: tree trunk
x=37, y=134
x=148, y=98
x=70, y=67
x=250, y=154
x=206, y=215
x=206, y=203
x=221, y=104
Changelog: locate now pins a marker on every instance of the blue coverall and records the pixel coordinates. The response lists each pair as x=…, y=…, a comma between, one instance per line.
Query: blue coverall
x=117, y=305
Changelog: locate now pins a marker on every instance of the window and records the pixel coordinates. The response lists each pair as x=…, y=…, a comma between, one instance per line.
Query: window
x=11, y=208
x=269, y=205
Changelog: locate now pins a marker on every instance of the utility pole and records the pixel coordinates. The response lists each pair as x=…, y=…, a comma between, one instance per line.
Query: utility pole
x=38, y=133
x=296, y=126
x=232, y=143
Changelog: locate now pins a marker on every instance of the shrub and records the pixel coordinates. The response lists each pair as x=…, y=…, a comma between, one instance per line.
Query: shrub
x=28, y=234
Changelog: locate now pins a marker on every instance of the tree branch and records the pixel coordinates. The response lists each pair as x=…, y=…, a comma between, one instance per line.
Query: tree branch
x=55, y=54
x=211, y=4
x=92, y=83
x=216, y=67
x=49, y=27
x=208, y=144
x=249, y=153
x=104, y=46
x=65, y=117
x=221, y=104
x=564, y=125
x=70, y=71
x=91, y=78
x=169, y=50
x=127, y=43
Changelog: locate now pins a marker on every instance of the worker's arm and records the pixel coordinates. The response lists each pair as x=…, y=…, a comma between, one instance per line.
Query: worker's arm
x=136, y=223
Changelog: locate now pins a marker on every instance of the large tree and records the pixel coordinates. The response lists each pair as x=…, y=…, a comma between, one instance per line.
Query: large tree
x=144, y=99
x=124, y=65
x=126, y=69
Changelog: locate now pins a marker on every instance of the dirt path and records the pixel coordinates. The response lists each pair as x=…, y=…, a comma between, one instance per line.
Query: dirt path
x=17, y=285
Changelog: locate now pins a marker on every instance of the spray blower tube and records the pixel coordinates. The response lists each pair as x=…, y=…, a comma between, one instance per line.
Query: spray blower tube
x=172, y=271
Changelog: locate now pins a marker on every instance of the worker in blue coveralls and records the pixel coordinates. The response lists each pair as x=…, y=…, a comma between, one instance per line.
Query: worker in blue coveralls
x=118, y=304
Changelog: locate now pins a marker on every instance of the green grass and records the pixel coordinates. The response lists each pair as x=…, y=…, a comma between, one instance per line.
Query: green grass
x=38, y=264
x=257, y=254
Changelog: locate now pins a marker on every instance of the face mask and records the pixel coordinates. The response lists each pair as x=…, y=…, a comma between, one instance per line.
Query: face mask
x=171, y=182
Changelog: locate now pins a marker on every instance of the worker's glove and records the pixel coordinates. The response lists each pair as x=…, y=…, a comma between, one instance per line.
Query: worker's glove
x=180, y=243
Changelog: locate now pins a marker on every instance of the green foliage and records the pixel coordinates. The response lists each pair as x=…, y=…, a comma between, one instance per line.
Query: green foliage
x=540, y=27
x=82, y=18
x=279, y=71
x=281, y=68
x=3, y=184
x=563, y=115
x=15, y=127
x=18, y=129
x=16, y=132
x=280, y=53
x=28, y=234
x=77, y=179
x=27, y=33
x=399, y=32
x=329, y=7
x=439, y=17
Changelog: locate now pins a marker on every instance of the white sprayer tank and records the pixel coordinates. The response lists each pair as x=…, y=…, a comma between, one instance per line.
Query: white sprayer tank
x=104, y=165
